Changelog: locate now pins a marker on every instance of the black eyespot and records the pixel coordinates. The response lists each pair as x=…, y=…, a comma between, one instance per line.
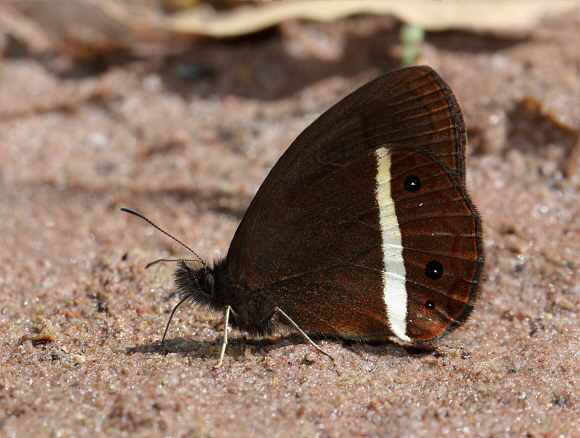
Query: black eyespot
x=434, y=270
x=430, y=304
x=207, y=282
x=412, y=183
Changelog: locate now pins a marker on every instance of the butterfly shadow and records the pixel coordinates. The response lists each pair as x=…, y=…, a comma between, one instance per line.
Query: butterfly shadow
x=386, y=347
x=182, y=346
x=240, y=346
x=236, y=348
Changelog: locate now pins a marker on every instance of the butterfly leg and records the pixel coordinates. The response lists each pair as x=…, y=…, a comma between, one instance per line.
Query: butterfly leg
x=225, y=342
x=304, y=335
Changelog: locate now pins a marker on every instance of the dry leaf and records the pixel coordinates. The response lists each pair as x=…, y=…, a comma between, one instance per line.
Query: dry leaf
x=429, y=15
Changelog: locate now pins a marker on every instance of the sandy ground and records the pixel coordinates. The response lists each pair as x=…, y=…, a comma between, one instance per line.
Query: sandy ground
x=82, y=319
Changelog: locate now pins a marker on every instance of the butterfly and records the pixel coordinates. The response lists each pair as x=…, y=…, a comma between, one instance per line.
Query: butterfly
x=363, y=229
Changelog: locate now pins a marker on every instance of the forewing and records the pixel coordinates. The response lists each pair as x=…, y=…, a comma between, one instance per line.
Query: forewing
x=411, y=108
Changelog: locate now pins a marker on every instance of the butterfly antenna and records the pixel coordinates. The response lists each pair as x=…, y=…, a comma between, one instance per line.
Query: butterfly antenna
x=134, y=213
x=170, y=260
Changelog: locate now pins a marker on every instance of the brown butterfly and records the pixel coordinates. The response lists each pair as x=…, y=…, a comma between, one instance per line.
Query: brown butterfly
x=362, y=230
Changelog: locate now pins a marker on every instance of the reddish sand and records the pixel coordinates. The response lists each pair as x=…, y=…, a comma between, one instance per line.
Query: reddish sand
x=82, y=319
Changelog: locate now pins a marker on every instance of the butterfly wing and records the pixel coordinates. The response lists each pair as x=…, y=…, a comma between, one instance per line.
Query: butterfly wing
x=319, y=252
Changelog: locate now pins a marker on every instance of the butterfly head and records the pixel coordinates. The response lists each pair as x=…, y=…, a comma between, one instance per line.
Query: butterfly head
x=198, y=285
